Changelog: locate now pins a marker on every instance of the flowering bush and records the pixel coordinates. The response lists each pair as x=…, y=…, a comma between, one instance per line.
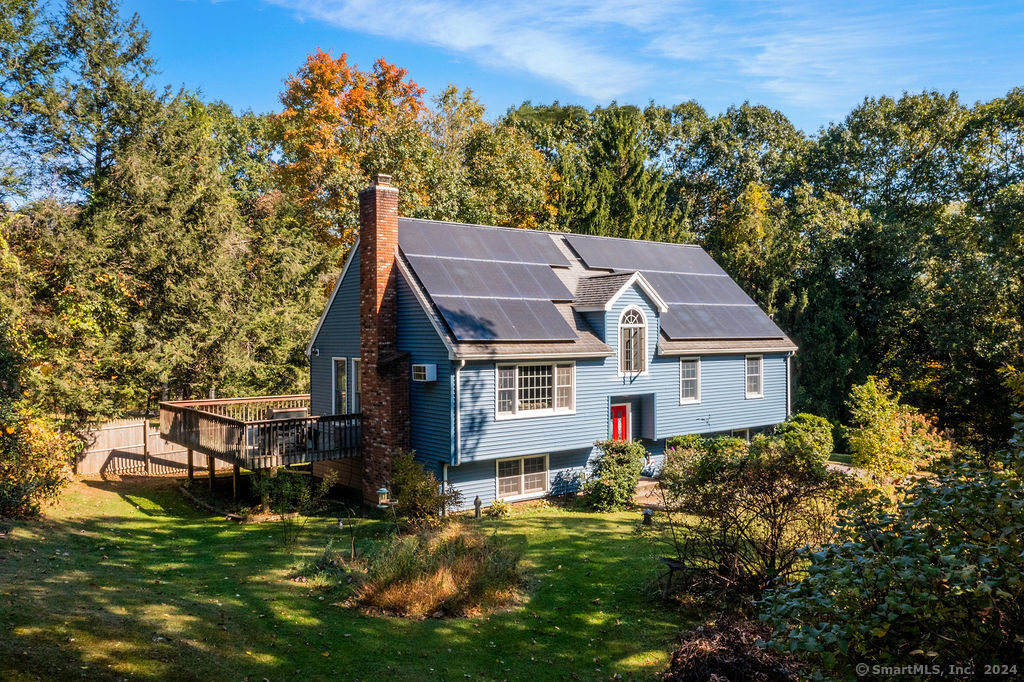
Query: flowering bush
x=35, y=457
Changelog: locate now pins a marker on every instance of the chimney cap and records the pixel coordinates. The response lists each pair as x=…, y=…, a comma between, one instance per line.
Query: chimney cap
x=382, y=179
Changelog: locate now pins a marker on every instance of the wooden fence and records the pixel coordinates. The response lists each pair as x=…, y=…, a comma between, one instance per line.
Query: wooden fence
x=126, y=446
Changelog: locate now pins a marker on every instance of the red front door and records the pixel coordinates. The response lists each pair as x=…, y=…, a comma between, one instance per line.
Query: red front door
x=620, y=422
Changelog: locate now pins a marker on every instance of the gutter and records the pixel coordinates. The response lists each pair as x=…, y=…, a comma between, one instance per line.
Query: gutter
x=457, y=456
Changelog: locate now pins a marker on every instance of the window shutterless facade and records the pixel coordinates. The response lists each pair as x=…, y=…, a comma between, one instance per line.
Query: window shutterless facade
x=632, y=342
x=527, y=390
x=689, y=380
x=755, y=376
x=522, y=476
x=340, y=385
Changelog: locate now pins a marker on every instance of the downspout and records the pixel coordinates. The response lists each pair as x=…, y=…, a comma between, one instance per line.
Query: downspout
x=458, y=416
x=789, y=391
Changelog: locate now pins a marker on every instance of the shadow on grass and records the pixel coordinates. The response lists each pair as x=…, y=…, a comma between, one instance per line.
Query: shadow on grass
x=128, y=580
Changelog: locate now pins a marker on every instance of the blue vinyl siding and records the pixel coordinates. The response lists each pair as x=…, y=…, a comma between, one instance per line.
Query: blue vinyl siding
x=485, y=437
x=480, y=478
x=430, y=403
x=723, y=403
x=338, y=337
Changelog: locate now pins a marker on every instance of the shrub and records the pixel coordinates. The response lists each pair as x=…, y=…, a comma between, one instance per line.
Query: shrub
x=35, y=462
x=418, y=496
x=325, y=570
x=454, y=571
x=615, y=476
x=284, y=493
x=695, y=458
x=499, y=509
x=889, y=439
x=807, y=436
x=751, y=509
x=35, y=456
x=936, y=580
x=690, y=441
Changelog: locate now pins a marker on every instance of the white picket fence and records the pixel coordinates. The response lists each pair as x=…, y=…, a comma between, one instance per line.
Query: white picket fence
x=132, y=446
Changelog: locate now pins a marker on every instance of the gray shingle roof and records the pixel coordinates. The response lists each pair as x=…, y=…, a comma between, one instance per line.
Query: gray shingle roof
x=595, y=291
x=586, y=345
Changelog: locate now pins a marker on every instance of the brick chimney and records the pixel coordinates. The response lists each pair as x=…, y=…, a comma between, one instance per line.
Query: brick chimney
x=384, y=402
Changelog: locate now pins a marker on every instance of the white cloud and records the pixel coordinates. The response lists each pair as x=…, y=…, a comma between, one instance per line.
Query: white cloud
x=549, y=41
x=819, y=56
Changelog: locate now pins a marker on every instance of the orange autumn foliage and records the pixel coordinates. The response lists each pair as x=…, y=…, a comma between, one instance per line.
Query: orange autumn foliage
x=339, y=126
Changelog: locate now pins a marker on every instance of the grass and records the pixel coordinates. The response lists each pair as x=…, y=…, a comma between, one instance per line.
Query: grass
x=127, y=580
x=840, y=458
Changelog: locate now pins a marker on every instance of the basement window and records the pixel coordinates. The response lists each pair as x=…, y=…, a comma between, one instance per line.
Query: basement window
x=522, y=476
x=529, y=390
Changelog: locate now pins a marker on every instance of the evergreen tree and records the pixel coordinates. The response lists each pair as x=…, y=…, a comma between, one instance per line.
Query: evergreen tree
x=27, y=62
x=102, y=99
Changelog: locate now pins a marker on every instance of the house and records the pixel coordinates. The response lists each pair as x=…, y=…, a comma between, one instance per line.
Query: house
x=501, y=355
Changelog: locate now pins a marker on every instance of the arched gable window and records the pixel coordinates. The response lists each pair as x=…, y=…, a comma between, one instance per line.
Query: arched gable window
x=632, y=342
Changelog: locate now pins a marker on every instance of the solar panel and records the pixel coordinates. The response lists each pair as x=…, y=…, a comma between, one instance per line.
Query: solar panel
x=626, y=254
x=454, y=277
x=456, y=240
x=503, y=319
x=680, y=288
x=718, y=322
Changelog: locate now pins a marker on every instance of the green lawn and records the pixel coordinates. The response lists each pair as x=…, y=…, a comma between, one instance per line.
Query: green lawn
x=128, y=580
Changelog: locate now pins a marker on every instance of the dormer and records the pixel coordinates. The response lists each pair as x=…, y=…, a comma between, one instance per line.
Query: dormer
x=622, y=307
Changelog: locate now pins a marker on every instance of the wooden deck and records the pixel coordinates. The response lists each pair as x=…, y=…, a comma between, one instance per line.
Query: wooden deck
x=261, y=432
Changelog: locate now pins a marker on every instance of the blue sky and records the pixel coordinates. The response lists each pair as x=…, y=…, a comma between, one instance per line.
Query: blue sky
x=813, y=61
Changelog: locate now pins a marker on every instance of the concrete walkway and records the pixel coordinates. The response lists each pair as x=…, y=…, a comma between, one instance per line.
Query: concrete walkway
x=648, y=493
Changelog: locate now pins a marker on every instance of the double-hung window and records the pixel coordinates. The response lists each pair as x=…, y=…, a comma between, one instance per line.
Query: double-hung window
x=522, y=476
x=632, y=342
x=689, y=380
x=755, y=376
x=535, y=389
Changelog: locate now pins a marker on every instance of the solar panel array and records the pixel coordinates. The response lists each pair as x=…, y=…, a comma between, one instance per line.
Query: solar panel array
x=455, y=240
x=489, y=284
x=703, y=301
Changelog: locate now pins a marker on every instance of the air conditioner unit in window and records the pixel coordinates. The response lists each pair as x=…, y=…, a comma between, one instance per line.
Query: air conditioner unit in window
x=424, y=372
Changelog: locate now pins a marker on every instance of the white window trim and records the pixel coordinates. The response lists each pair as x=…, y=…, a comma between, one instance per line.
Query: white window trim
x=524, y=496
x=618, y=342
x=629, y=420
x=741, y=433
x=334, y=383
x=530, y=414
x=689, y=401
x=746, y=367
x=357, y=366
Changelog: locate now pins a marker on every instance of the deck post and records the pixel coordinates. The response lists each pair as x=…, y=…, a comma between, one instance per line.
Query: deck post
x=145, y=442
x=191, y=467
x=234, y=482
x=209, y=464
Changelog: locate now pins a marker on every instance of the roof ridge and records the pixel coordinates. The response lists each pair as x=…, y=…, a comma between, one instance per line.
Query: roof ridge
x=620, y=273
x=557, y=233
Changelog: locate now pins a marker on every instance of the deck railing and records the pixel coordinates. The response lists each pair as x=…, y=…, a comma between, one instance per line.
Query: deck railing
x=242, y=431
